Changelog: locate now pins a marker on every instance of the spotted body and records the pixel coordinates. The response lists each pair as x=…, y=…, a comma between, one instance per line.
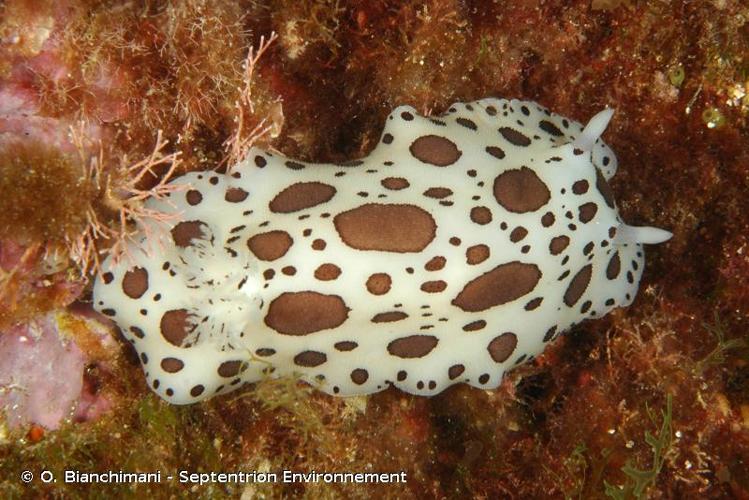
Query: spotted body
x=456, y=250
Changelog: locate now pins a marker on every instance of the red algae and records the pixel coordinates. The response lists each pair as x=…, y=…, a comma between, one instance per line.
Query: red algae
x=567, y=425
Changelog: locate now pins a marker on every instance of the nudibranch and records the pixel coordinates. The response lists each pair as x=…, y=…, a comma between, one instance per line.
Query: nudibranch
x=456, y=250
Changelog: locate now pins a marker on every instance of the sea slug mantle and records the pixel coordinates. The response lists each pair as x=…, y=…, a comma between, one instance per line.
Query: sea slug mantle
x=457, y=249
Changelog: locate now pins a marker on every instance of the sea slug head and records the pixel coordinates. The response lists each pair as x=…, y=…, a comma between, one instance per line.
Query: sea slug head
x=613, y=250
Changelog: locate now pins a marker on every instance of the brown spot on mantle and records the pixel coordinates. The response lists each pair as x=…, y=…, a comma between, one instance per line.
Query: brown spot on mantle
x=135, y=282
x=302, y=313
x=502, y=284
x=520, y=190
x=413, y=346
x=435, y=150
x=502, y=346
x=271, y=245
x=300, y=196
x=578, y=285
x=388, y=228
x=175, y=326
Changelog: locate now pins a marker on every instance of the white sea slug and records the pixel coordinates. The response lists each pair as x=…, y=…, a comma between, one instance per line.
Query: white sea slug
x=457, y=249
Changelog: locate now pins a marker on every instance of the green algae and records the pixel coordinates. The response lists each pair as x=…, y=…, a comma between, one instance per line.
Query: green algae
x=676, y=75
x=713, y=117
x=639, y=480
x=723, y=346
